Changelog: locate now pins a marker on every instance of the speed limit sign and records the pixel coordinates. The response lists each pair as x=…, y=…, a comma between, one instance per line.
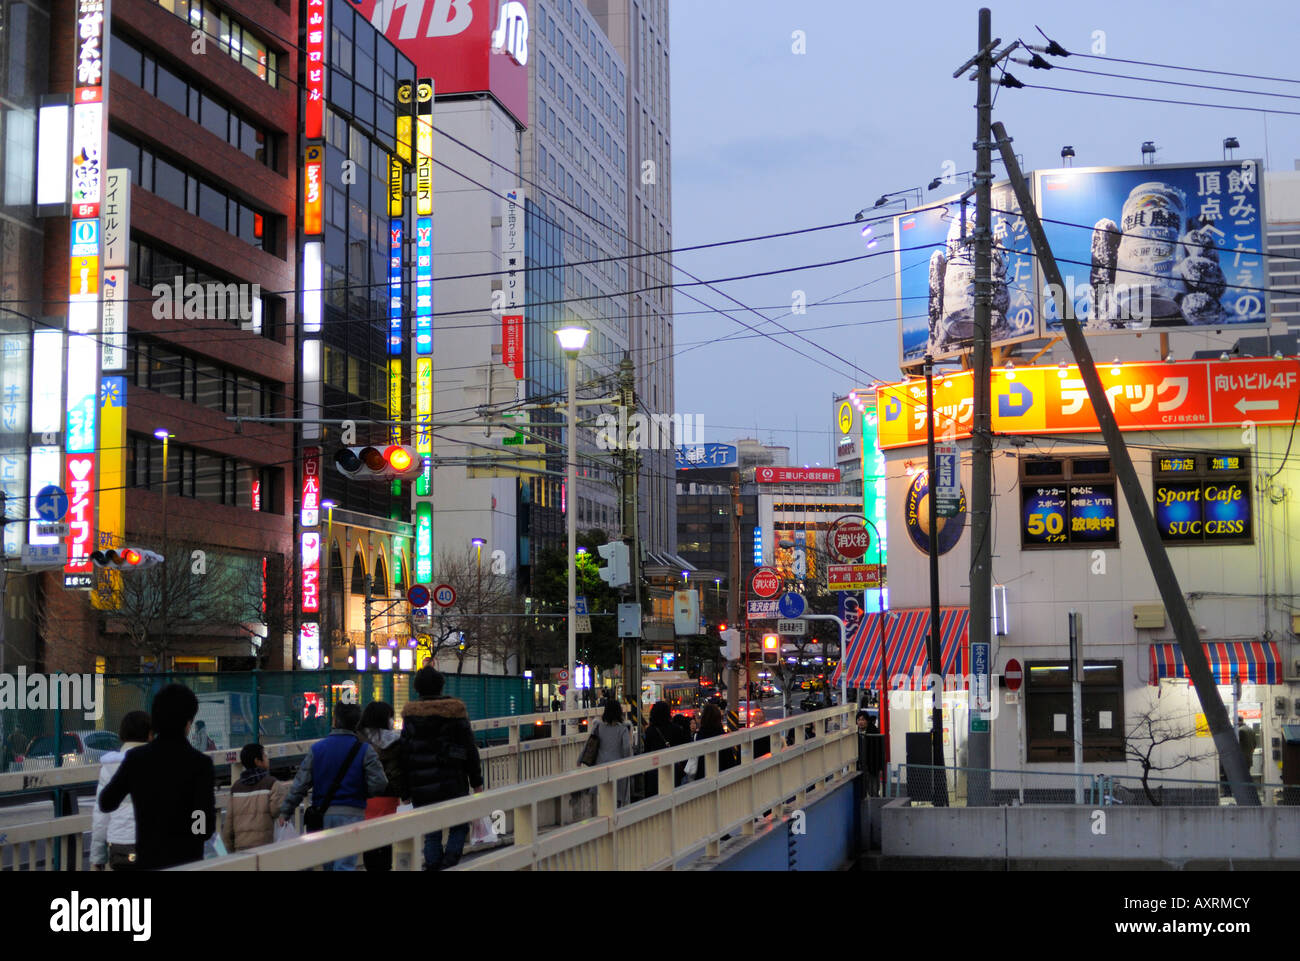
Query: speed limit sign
x=444, y=595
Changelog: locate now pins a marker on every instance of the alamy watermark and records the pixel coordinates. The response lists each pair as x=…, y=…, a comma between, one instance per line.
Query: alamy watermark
x=50, y=692
x=211, y=301
x=648, y=431
x=1104, y=304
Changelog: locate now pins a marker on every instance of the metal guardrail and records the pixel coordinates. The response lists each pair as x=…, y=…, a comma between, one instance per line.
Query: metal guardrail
x=61, y=843
x=653, y=833
x=993, y=787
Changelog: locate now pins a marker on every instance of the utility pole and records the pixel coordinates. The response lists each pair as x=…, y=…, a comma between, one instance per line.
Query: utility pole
x=981, y=564
x=733, y=589
x=1216, y=715
x=629, y=464
x=940, y=795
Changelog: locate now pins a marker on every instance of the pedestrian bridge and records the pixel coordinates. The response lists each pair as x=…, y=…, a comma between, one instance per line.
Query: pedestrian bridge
x=549, y=813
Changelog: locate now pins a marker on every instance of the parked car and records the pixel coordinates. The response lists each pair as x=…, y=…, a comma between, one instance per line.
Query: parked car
x=817, y=701
x=77, y=747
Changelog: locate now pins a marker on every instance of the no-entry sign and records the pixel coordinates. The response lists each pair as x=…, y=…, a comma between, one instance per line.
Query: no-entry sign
x=1012, y=675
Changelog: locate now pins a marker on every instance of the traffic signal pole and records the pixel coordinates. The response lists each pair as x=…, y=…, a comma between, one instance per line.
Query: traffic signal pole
x=733, y=589
x=631, y=529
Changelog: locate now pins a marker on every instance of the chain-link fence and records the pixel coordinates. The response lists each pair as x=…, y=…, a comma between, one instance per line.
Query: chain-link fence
x=984, y=787
x=234, y=709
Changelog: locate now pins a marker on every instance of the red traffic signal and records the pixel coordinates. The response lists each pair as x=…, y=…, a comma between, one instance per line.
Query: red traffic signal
x=771, y=648
x=394, y=461
x=126, y=559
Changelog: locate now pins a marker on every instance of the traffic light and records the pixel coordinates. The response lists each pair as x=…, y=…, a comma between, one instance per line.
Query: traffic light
x=126, y=559
x=771, y=648
x=730, y=643
x=394, y=461
x=618, y=573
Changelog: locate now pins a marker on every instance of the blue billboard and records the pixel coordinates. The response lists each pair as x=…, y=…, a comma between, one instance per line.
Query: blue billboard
x=1156, y=246
x=934, y=267
x=706, y=455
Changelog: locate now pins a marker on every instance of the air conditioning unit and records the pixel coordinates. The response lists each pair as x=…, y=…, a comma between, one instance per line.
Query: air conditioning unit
x=1148, y=616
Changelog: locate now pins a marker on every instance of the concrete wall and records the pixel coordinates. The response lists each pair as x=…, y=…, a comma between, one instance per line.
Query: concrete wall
x=1172, y=834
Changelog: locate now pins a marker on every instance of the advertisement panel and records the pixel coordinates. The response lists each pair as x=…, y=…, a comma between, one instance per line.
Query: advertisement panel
x=313, y=119
x=424, y=148
x=424, y=285
x=1179, y=245
x=395, y=229
x=112, y=483
x=79, y=482
x=311, y=487
x=934, y=270
x=310, y=572
x=706, y=455
x=457, y=37
x=1144, y=396
x=797, y=475
x=313, y=190
x=512, y=283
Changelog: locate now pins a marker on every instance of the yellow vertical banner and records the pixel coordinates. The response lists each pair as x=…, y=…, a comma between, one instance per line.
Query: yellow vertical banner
x=395, y=397
x=112, y=486
x=423, y=405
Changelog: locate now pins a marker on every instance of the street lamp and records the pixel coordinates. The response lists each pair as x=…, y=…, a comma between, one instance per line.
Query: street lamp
x=572, y=339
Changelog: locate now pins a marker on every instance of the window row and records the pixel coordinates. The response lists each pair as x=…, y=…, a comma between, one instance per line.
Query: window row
x=160, y=368
x=365, y=69
x=192, y=100
x=1049, y=711
x=182, y=189
x=355, y=375
x=198, y=474
x=231, y=36
x=148, y=266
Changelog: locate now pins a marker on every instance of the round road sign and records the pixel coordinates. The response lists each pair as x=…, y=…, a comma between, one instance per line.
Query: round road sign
x=418, y=595
x=564, y=675
x=444, y=595
x=851, y=541
x=792, y=605
x=766, y=583
x=1012, y=675
x=51, y=503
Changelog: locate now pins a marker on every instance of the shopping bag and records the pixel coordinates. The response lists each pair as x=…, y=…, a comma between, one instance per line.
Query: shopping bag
x=214, y=848
x=481, y=831
x=285, y=832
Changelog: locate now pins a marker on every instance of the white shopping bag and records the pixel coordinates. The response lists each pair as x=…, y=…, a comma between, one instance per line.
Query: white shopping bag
x=285, y=832
x=481, y=831
x=214, y=848
x=402, y=808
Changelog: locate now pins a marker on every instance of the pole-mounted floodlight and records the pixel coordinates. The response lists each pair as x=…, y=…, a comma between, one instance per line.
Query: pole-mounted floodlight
x=1148, y=151
x=1067, y=155
x=1229, y=143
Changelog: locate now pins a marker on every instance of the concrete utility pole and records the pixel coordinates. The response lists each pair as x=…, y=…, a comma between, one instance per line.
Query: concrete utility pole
x=629, y=465
x=734, y=568
x=981, y=565
x=935, y=648
x=1216, y=715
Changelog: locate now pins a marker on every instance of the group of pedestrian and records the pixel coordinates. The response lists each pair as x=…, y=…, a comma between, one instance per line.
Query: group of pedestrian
x=362, y=769
x=664, y=730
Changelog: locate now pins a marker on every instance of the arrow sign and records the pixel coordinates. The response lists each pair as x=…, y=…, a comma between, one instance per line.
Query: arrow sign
x=1245, y=406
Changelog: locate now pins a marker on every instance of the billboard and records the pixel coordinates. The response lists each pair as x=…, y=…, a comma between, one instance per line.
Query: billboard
x=471, y=47
x=934, y=273
x=1181, y=245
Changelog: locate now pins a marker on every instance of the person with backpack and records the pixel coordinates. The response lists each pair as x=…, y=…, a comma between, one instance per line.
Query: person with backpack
x=438, y=760
x=112, y=837
x=341, y=771
x=255, y=800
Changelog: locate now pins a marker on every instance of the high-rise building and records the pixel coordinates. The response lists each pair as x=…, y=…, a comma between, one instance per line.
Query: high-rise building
x=179, y=320
x=575, y=156
x=638, y=30
x=1282, y=194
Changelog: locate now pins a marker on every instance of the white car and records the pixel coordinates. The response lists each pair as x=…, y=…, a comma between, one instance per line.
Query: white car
x=78, y=747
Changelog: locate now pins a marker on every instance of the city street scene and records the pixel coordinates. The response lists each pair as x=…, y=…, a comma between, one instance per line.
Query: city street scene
x=648, y=435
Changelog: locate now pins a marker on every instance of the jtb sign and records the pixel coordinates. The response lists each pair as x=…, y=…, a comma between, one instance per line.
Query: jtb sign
x=454, y=40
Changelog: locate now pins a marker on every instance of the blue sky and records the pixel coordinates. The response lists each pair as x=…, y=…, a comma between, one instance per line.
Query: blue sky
x=766, y=140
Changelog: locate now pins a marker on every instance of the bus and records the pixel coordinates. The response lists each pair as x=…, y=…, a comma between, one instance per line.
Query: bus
x=681, y=692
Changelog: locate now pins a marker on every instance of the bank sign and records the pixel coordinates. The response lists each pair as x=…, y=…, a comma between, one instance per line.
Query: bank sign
x=469, y=46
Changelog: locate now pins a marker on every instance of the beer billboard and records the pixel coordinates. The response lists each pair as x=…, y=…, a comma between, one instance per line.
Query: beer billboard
x=934, y=270
x=1176, y=246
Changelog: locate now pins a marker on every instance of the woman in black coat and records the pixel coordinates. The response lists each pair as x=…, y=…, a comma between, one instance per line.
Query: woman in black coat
x=662, y=734
x=711, y=726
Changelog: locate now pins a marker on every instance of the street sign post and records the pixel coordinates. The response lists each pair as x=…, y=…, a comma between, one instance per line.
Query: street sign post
x=1012, y=675
x=981, y=706
x=794, y=628
x=444, y=595
x=583, y=624
x=51, y=503
x=418, y=595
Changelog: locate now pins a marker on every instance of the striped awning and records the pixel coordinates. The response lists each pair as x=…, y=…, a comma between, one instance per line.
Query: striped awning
x=906, y=636
x=1253, y=661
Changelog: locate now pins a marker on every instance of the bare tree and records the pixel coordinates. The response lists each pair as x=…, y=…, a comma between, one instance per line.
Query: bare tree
x=482, y=622
x=1161, y=744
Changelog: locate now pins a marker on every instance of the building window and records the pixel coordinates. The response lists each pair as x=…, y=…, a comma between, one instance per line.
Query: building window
x=1202, y=497
x=1049, y=711
x=230, y=35
x=1068, y=502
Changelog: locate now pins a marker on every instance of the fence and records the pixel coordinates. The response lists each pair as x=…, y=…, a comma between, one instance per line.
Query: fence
x=236, y=708
x=991, y=787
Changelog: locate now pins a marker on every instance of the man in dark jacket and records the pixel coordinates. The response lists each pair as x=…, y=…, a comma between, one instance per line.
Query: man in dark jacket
x=439, y=760
x=364, y=778
x=171, y=786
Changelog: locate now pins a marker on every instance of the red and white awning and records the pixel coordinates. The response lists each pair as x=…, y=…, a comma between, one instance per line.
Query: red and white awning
x=1254, y=661
x=906, y=636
